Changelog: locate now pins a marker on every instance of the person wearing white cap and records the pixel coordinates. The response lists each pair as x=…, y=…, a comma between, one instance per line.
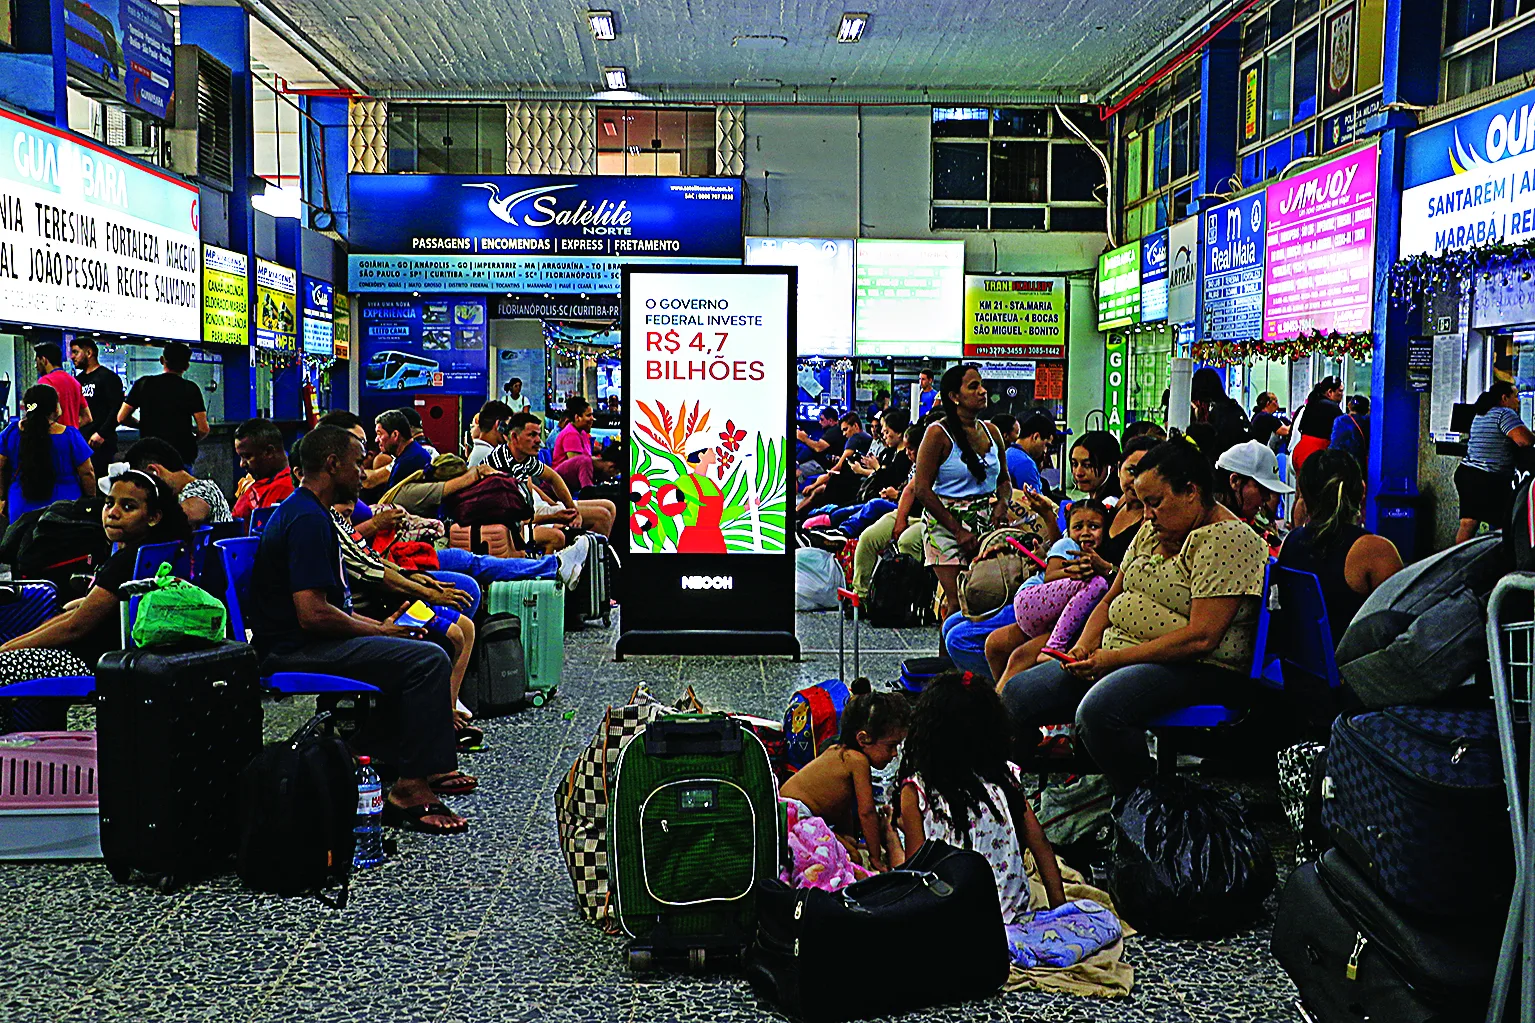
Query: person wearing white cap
x=1254, y=481
x=705, y=504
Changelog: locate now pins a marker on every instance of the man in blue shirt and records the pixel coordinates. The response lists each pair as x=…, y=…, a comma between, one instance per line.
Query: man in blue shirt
x=301, y=617
x=927, y=395
x=1028, y=443
x=395, y=437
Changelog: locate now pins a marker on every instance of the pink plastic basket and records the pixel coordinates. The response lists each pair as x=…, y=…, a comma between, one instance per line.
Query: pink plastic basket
x=48, y=771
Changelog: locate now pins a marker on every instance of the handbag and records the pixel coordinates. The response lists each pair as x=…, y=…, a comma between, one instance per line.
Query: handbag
x=944, y=901
x=175, y=610
x=1000, y=566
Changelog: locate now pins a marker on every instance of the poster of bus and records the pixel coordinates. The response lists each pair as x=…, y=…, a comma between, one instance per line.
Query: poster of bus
x=423, y=344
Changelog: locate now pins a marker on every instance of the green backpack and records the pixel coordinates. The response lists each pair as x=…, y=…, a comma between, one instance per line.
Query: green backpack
x=176, y=611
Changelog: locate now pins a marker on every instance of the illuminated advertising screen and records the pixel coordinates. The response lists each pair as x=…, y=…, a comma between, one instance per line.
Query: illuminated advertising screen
x=276, y=307
x=341, y=329
x=825, y=300
x=317, y=302
x=1119, y=287
x=90, y=241
x=909, y=298
x=226, y=297
x=708, y=385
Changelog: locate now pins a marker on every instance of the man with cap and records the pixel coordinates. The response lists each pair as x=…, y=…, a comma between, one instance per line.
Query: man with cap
x=1255, y=486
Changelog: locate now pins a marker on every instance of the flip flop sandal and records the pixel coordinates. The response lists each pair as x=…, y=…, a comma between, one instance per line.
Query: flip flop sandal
x=456, y=784
x=413, y=818
x=469, y=739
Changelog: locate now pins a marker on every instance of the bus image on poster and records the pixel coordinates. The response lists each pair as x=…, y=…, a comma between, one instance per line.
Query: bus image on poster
x=710, y=459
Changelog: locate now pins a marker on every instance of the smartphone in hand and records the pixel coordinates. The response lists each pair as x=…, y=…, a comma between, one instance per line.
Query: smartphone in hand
x=1058, y=655
x=417, y=616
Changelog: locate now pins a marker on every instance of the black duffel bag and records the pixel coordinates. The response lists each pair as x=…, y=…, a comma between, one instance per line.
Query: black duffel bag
x=298, y=806
x=944, y=901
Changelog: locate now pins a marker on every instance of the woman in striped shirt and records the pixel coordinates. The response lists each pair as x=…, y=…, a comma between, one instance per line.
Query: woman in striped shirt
x=1485, y=477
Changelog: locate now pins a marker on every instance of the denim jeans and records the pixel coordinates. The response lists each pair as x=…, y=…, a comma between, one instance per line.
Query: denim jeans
x=965, y=640
x=1111, y=714
x=855, y=518
x=413, y=729
x=463, y=582
x=484, y=569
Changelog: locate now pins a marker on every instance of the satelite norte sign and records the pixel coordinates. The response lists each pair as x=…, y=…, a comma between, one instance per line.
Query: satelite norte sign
x=90, y=241
x=1471, y=180
x=708, y=385
x=533, y=235
x=1154, y=277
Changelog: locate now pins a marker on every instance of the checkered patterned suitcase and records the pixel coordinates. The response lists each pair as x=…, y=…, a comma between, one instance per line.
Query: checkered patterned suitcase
x=581, y=804
x=24, y=605
x=1414, y=797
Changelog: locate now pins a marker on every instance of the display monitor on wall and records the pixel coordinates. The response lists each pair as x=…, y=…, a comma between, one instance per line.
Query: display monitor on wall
x=909, y=298
x=825, y=300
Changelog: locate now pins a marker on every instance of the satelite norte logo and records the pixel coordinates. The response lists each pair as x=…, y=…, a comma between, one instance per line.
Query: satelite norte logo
x=708, y=582
x=1156, y=252
x=543, y=208
x=1506, y=136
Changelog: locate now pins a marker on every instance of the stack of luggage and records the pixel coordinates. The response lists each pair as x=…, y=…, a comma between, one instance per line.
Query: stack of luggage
x=1402, y=917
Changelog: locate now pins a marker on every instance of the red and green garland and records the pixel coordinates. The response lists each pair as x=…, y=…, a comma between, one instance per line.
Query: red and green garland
x=1357, y=346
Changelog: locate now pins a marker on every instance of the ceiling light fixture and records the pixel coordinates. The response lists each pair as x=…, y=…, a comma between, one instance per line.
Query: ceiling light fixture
x=616, y=78
x=603, y=25
x=851, y=29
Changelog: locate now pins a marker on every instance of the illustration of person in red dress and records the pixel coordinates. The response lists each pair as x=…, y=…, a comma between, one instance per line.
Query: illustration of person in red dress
x=705, y=503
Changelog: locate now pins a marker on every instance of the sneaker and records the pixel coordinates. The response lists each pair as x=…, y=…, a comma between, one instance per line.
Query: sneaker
x=572, y=563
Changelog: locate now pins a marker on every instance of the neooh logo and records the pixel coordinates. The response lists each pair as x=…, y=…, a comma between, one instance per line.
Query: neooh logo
x=708, y=582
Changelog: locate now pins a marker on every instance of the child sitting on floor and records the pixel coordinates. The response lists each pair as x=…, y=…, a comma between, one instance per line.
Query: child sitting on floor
x=838, y=785
x=958, y=786
x=1058, y=603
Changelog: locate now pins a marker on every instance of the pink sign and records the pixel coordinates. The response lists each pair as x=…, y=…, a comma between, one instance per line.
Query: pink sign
x=1321, y=249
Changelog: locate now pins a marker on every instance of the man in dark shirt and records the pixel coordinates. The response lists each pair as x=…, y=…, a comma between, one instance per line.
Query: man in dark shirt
x=103, y=392
x=396, y=438
x=302, y=620
x=168, y=405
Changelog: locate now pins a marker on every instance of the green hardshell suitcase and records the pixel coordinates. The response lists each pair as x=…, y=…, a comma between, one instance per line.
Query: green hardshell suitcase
x=694, y=827
x=540, y=605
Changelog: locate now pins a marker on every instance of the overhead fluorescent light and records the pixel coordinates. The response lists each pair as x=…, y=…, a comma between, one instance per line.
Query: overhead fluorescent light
x=603, y=25
x=851, y=29
x=617, y=78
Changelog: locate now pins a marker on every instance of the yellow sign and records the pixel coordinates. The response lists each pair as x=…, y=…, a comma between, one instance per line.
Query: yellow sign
x=226, y=297
x=343, y=326
x=1250, y=86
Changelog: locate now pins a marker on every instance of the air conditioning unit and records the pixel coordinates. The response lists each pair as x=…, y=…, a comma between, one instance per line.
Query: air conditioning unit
x=201, y=134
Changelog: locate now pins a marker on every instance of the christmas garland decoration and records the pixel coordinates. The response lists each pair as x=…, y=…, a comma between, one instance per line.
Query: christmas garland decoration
x=561, y=339
x=1425, y=274
x=1358, y=346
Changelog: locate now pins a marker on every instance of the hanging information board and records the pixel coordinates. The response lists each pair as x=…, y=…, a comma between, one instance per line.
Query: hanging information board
x=317, y=314
x=1233, y=270
x=1015, y=317
x=226, y=297
x=708, y=385
x=276, y=307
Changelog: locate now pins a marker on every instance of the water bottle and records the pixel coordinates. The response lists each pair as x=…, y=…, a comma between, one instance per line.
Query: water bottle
x=369, y=850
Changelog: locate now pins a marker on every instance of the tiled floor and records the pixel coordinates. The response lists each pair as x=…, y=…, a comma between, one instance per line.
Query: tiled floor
x=482, y=928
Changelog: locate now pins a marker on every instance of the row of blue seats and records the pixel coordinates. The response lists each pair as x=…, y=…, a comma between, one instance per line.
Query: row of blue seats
x=222, y=567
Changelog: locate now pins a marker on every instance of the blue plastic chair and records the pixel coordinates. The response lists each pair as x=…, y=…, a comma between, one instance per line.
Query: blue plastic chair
x=259, y=519
x=1297, y=647
x=1214, y=715
x=235, y=560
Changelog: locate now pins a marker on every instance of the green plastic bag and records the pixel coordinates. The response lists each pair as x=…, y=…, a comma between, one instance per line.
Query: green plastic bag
x=177, y=611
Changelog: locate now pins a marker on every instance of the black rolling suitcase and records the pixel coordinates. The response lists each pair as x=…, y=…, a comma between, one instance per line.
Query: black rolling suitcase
x=588, y=602
x=1355, y=956
x=174, y=730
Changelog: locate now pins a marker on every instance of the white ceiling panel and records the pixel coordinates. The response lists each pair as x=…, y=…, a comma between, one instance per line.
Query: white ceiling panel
x=490, y=47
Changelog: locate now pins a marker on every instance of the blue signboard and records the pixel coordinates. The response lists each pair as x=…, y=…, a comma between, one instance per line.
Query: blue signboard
x=533, y=234
x=1154, y=277
x=1232, y=269
x=316, y=307
x=128, y=44
x=435, y=343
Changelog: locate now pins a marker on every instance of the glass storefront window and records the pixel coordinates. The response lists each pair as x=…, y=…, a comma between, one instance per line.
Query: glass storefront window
x=1276, y=93
x=1305, y=76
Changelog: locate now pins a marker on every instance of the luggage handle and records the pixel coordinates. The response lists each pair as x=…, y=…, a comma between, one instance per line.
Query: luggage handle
x=531, y=603
x=316, y=726
x=681, y=736
x=892, y=885
x=1013, y=542
x=847, y=596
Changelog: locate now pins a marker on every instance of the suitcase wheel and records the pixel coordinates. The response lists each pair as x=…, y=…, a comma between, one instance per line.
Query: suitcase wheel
x=696, y=958
x=641, y=961
x=120, y=874
x=166, y=884
x=539, y=699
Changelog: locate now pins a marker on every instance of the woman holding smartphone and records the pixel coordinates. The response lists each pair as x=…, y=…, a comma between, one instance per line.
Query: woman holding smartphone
x=1176, y=628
